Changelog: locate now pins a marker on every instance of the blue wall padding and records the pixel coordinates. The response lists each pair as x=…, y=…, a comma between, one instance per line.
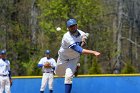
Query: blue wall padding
x=119, y=84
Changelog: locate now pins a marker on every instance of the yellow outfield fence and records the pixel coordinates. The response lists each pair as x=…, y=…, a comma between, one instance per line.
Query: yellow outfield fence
x=91, y=75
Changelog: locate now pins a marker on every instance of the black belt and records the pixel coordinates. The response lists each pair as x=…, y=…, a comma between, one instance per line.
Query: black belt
x=4, y=75
x=48, y=72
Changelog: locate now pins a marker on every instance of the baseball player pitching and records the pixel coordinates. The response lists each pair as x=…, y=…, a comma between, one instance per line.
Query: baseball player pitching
x=48, y=65
x=69, y=53
x=5, y=73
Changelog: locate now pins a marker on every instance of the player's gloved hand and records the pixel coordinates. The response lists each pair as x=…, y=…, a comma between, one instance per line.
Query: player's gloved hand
x=47, y=65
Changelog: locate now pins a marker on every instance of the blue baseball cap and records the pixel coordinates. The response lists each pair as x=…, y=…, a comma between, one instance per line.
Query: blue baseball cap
x=47, y=52
x=71, y=22
x=2, y=52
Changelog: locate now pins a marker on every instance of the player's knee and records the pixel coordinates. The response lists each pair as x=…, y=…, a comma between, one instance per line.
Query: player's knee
x=68, y=79
x=68, y=76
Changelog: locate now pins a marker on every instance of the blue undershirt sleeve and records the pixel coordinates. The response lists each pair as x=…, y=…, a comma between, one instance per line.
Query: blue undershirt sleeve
x=77, y=48
x=40, y=65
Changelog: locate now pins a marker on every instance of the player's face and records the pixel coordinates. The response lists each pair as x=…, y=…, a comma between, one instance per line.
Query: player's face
x=73, y=28
x=47, y=55
x=3, y=56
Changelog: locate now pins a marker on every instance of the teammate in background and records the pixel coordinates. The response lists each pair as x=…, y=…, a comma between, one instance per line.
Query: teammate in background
x=69, y=53
x=48, y=65
x=5, y=73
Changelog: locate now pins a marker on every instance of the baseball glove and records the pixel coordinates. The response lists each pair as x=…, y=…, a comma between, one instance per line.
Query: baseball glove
x=47, y=65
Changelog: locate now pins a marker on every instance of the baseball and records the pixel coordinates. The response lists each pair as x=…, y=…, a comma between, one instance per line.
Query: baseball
x=58, y=28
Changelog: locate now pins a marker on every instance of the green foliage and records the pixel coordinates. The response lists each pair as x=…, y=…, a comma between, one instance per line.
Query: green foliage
x=17, y=36
x=95, y=69
x=97, y=17
x=128, y=69
x=31, y=68
x=53, y=14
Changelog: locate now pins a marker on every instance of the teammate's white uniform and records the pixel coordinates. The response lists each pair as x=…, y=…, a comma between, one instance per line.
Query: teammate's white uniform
x=4, y=76
x=68, y=58
x=47, y=73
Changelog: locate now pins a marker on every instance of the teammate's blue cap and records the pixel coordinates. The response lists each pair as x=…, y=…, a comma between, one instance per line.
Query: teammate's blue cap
x=3, y=52
x=71, y=22
x=47, y=52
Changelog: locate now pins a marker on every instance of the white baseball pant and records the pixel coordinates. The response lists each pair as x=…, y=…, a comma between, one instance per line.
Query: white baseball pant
x=66, y=68
x=4, y=84
x=47, y=78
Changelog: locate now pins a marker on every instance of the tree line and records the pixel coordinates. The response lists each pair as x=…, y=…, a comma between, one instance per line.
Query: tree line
x=28, y=28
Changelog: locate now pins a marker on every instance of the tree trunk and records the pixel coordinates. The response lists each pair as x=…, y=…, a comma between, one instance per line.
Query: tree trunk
x=119, y=35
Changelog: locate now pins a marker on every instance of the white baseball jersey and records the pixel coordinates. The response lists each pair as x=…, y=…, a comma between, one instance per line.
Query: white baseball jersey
x=50, y=60
x=4, y=67
x=4, y=76
x=69, y=40
x=68, y=58
x=47, y=73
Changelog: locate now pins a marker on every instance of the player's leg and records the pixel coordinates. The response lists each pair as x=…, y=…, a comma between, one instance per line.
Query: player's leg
x=50, y=82
x=60, y=67
x=68, y=80
x=7, y=85
x=1, y=84
x=70, y=70
x=44, y=82
x=77, y=69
